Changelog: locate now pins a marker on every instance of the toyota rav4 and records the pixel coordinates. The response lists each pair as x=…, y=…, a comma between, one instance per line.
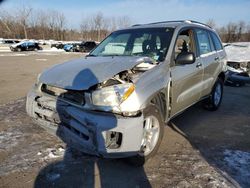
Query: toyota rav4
x=115, y=101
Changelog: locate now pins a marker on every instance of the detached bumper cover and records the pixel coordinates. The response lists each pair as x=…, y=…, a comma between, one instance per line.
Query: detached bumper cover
x=85, y=130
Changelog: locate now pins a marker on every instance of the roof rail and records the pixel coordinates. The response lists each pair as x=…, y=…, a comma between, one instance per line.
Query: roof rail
x=158, y=22
x=181, y=21
x=192, y=21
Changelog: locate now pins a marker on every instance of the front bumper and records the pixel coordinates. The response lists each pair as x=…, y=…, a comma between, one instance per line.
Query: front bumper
x=88, y=131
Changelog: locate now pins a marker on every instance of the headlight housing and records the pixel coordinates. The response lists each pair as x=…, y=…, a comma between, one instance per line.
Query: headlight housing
x=112, y=96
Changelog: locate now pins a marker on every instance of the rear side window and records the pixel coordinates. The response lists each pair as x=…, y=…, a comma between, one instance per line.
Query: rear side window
x=203, y=41
x=216, y=41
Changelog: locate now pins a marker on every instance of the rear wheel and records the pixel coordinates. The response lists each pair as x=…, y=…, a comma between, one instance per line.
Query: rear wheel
x=153, y=130
x=213, y=102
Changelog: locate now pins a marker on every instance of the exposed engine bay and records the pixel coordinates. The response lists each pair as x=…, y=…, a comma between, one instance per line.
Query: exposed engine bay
x=128, y=76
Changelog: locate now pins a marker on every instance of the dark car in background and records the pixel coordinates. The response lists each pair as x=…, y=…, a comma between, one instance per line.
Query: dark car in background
x=58, y=45
x=86, y=46
x=80, y=47
x=10, y=41
x=25, y=46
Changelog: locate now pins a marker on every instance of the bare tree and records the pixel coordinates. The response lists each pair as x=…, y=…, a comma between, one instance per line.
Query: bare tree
x=61, y=22
x=123, y=21
x=247, y=34
x=7, y=22
x=98, y=20
x=23, y=15
x=241, y=30
x=42, y=23
x=85, y=28
x=211, y=23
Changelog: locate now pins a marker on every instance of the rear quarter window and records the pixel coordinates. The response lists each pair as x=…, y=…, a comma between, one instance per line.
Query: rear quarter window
x=216, y=41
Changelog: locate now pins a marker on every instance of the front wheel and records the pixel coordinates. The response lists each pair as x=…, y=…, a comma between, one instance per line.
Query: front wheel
x=153, y=130
x=213, y=102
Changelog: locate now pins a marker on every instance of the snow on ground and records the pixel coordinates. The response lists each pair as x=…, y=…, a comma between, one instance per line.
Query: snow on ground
x=238, y=52
x=239, y=164
x=53, y=49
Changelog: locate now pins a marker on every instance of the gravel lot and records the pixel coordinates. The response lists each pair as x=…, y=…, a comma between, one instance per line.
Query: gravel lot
x=199, y=149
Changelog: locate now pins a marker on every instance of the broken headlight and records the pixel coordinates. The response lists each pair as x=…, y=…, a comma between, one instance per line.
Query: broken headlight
x=112, y=95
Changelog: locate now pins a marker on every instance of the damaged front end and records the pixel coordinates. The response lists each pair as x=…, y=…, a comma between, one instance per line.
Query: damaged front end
x=238, y=64
x=91, y=117
x=97, y=103
x=238, y=73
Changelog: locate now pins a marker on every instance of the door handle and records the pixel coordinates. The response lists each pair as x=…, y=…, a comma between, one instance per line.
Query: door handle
x=198, y=65
x=216, y=59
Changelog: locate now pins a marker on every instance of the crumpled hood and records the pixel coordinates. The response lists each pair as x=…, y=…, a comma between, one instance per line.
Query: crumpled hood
x=82, y=73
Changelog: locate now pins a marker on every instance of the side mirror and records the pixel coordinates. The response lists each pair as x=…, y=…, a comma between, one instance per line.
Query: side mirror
x=185, y=58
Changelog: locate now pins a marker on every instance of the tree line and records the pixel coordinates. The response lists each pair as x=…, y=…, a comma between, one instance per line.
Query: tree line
x=28, y=23
x=233, y=31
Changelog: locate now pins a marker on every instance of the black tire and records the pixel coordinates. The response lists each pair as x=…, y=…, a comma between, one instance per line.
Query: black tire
x=140, y=158
x=212, y=103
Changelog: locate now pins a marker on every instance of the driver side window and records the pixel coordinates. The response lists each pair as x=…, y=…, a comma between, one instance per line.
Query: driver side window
x=185, y=42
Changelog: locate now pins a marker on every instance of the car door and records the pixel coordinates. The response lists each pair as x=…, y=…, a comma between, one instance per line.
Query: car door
x=186, y=79
x=92, y=45
x=24, y=46
x=30, y=46
x=210, y=60
x=87, y=46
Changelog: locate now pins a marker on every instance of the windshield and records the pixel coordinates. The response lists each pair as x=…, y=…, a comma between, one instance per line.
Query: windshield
x=151, y=42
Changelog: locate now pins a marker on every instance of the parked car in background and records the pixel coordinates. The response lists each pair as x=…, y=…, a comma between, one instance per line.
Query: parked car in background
x=69, y=47
x=10, y=41
x=80, y=47
x=58, y=45
x=25, y=46
x=85, y=46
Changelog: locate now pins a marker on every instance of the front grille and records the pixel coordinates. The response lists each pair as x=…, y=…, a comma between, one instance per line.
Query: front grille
x=76, y=97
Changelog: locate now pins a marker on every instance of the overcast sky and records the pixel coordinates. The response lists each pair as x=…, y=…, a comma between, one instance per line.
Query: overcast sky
x=143, y=11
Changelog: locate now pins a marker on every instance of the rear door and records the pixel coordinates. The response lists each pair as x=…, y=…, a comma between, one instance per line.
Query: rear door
x=210, y=60
x=31, y=46
x=186, y=79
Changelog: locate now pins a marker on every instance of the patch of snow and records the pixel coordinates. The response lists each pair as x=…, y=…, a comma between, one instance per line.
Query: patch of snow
x=239, y=164
x=5, y=50
x=39, y=153
x=53, y=49
x=13, y=54
x=10, y=138
x=52, y=153
x=41, y=59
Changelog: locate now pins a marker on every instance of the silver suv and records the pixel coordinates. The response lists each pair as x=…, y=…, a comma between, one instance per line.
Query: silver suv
x=115, y=101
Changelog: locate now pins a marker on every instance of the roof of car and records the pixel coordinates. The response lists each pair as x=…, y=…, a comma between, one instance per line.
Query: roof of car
x=172, y=24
